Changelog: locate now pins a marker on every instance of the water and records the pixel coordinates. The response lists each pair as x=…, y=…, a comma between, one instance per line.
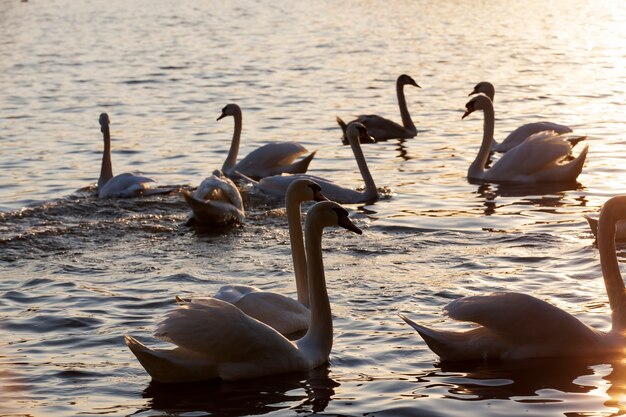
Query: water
x=77, y=273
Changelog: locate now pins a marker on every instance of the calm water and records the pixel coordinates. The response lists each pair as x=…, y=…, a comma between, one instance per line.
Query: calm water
x=77, y=272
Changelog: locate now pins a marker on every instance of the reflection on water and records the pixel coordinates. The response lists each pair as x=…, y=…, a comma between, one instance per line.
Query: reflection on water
x=308, y=393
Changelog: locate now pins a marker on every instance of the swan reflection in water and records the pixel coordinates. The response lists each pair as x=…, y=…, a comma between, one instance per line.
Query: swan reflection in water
x=308, y=392
x=593, y=385
x=541, y=195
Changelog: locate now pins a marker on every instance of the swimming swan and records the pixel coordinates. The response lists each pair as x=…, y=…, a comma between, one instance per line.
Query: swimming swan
x=121, y=185
x=383, y=129
x=284, y=314
x=517, y=326
x=540, y=158
x=521, y=133
x=217, y=340
x=277, y=185
x=216, y=202
x=271, y=159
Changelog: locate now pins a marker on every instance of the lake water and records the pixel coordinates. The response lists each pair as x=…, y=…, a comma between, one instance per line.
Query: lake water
x=77, y=273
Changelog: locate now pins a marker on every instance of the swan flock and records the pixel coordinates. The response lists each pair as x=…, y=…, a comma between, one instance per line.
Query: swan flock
x=245, y=332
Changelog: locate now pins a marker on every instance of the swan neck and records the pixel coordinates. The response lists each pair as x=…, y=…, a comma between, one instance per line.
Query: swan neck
x=231, y=159
x=613, y=211
x=319, y=337
x=106, y=170
x=370, y=186
x=298, y=255
x=477, y=168
x=404, y=111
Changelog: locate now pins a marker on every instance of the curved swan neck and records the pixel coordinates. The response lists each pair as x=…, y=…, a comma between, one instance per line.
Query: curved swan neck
x=613, y=211
x=106, y=170
x=294, y=220
x=231, y=159
x=477, y=168
x=370, y=186
x=404, y=112
x=319, y=337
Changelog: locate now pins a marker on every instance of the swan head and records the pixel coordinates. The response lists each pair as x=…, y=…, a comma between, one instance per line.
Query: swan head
x=357, y=132
x=104, y=122
x=305, y=190
x=480, y=102
x=328, y=214
x=407, y=79
x=484, y=87
x=230, y=110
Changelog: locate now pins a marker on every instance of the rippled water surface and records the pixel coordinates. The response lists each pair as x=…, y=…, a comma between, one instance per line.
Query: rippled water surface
x=77, y=273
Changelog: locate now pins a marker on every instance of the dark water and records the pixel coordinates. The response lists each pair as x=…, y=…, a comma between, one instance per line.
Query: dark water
x=77, y=273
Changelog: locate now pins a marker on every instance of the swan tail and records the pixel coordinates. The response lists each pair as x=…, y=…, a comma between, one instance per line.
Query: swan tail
x=171, y=366
x=301, y=166
x=576, y=166
x=180, y=300
x=447, y=345
x=343, y=126
x=575, y=139
x=593, y=224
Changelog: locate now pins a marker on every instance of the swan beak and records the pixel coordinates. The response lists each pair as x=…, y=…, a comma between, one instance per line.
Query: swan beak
x=318, y=196
x=221, y=116
x=475, y=91
x=347, y=224
x=467, y=113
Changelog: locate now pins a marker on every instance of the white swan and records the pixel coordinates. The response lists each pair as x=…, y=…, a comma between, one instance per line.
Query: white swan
x=121, y=185
x=540, y=158
x=271, y=159
x=382, y=129
x=620, y=228
x=277, y=185
x=217, y=340
x=216, y=202
x=284, y=314
x=521, y=133
x=516, y=326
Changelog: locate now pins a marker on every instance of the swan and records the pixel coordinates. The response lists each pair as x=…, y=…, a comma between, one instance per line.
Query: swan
x=121, y=185
x=382, y=129
x=540, y=158
x=271, y=159
x=521, y=133
x=277, y=185
x=284, y=314
x=516, y=326
x=216, y=202
x=217, y=340
x=620, y=229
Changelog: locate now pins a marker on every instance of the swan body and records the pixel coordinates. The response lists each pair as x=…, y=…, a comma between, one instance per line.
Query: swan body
x=218, y=340
x=542, y=157
x=284, y=314
x=277, y=185
x=216, y=202
x=270, y=159
x=521, y=133
x=382, y=129
x=516, y=326
x=121, y=185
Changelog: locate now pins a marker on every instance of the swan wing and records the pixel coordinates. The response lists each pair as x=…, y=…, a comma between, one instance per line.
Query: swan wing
x=277, y=185
x=233, y=293
x=266, y=159
x=521, y=318
x=222, y=333
x=521, y=133
x=284, y=314
x=213, y=212
x=539, y=151
x=381, y=128
x=125, y=185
